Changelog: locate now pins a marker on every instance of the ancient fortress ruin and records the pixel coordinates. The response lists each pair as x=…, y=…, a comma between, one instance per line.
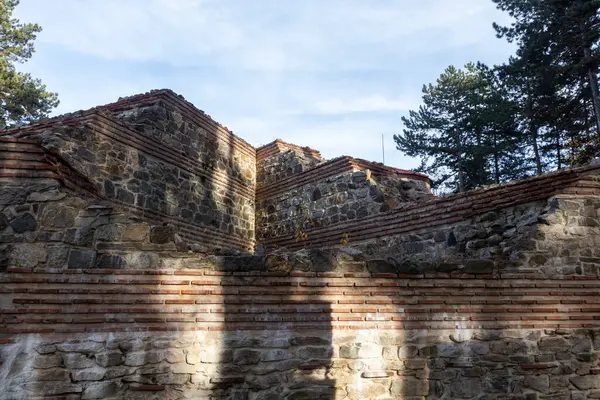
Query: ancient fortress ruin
x=146, y=252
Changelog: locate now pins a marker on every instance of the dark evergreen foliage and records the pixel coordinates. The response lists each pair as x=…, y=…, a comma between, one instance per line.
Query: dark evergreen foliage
x=23, y=99
x=537, y=112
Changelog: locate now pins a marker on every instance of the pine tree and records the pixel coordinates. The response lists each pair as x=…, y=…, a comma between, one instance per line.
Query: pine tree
x=558, y=53
x=463, y=132
x=23, y=99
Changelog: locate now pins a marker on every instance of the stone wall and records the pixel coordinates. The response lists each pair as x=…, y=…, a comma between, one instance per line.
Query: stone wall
x=248, y=328
x=126, y=235
x=46, y=225
x=485, y=223
x=208, y=184
x=327, y=194
x=279, y=160
x=356, y=365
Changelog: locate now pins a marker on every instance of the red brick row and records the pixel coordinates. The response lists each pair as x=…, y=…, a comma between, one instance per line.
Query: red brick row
x=474, y=280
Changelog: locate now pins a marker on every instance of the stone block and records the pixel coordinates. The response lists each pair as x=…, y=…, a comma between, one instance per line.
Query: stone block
x=47, y=361
x=118, y=372
x=48, y=389
x=81, y=259
x=23, y=223
x=56, y=256
x=89, y=374
x=100, y=390
x=586, y=382
x=246, y=356
x=162, y=234
x=113, y=261
x=276, y=355
x=109, y=359
x=52, y=374
x=478, y=266
x=465, y=388
x=85, y=347
x=314, y=352
x=135, y=232
x=140, y=358
x=539, y=383
x=553, y=344
x=83, y=236
x=407, y=352
x=59, y=216
x=77, y=361
x=407, y=387
x=110, y=233
x=28, y=255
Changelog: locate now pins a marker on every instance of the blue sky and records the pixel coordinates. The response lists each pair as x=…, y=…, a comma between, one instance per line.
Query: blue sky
x=330, y=74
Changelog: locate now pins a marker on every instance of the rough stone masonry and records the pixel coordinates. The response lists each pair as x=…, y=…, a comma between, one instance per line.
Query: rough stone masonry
x=147, y=252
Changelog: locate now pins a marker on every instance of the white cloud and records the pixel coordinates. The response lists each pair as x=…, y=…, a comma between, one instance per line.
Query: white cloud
x=263, y=35
x=331, y=74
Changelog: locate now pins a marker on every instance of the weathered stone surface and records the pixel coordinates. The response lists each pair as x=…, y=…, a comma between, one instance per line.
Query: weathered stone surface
x=586, y=382
x=54, y=389
x=390, y=336
x=553, y=344
x=56, y=256
x=23, y=223
x=50, y=195
x=277, y=263
x=465, y=388
x=314, y=352
x=110, y=233
x=276, y=355
x=79, y=259
x=478, y=267
x=539, y=383
x=52, y=374
x=77, y=361
x=28, y=256
x=59, y=216
x=76, y=346
x=143, y=357
x=246, y=357
x=134, y=232
x=90, y=374
x=408, y=387
x=100, y=390
x=163, y=234
x=109, y=359
x=47, y=361
x=111, y=261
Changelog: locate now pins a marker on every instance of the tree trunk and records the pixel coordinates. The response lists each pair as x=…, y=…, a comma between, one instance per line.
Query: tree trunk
x=558, y=159
x=496, y=161
x=536, y=151
x=459, y=166
x=593, y=81
x=533, y=133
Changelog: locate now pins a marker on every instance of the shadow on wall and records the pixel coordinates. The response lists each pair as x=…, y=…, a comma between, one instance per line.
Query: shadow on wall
x=267, y=338
x=276, y=339
x=249, y=327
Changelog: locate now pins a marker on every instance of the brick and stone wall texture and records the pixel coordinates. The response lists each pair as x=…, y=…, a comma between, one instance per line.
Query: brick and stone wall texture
x=279, y=160
x=126, y=271
x=325, y=324
x=491, y=223
x=309, y=324
x=324, y=194
x=155, y=160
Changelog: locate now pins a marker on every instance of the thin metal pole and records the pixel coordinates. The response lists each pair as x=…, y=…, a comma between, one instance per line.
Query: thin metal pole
x=382, y=149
